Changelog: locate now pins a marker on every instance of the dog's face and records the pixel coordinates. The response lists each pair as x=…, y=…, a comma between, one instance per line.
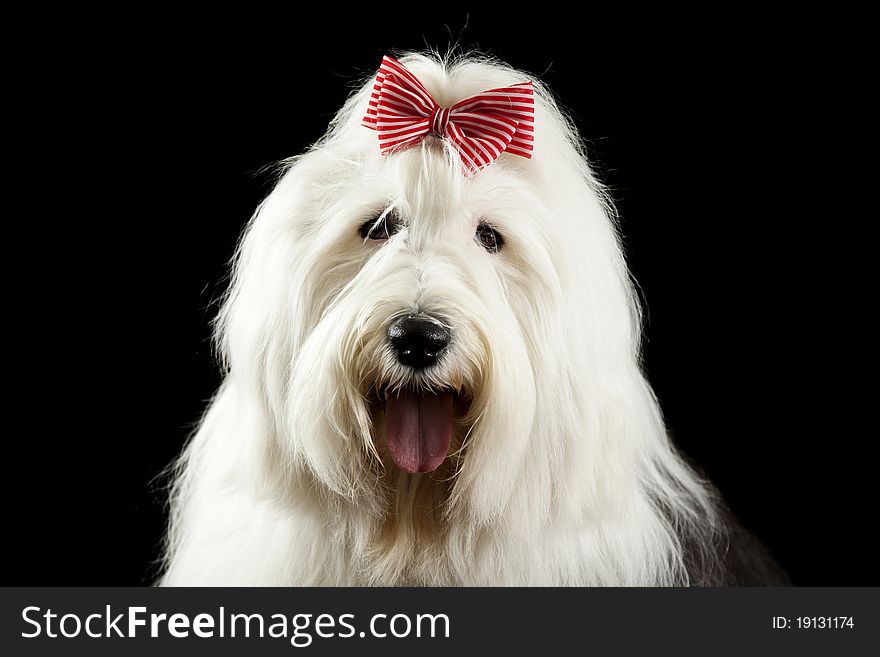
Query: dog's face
x=397, y=315
x=427, y=294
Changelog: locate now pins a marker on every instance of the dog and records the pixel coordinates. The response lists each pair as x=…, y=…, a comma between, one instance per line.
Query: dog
x=431, y=346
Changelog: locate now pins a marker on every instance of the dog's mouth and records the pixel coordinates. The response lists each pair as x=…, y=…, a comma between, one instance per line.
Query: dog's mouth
x=419, y=427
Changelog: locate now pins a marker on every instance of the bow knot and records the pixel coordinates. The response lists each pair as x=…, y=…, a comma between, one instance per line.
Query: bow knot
x=439, y=121
x=480, y=127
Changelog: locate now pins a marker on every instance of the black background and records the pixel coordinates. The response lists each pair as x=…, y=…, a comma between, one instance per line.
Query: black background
x=724, y=146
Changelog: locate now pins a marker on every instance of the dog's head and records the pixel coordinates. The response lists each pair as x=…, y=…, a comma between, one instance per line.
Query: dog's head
x=390, y=312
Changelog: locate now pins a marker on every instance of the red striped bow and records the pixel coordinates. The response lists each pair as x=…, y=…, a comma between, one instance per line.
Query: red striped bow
x=480, y=127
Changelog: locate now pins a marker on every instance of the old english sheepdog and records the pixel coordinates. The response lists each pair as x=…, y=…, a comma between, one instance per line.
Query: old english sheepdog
x=432, y=369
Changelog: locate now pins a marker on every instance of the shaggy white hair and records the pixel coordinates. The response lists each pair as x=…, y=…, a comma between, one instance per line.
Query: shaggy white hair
x=561, y=472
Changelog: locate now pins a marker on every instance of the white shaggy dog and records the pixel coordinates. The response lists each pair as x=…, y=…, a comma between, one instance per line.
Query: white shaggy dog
x=433, y=379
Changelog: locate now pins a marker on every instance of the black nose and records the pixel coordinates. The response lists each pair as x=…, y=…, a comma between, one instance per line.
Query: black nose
x=418, y=340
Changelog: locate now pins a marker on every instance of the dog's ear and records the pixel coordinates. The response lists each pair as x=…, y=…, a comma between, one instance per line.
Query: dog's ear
x=256, y=318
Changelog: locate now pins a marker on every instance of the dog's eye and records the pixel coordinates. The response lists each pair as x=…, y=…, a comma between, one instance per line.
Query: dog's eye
x=489, y=238
x=381, y=229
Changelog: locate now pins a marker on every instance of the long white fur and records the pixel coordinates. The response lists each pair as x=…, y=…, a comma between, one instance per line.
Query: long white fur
x=567, y=478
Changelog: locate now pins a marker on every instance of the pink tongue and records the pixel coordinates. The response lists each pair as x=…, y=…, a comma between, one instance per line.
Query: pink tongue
x=418, y=428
